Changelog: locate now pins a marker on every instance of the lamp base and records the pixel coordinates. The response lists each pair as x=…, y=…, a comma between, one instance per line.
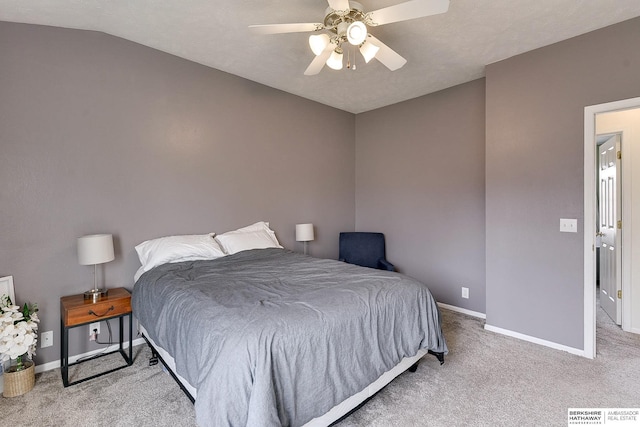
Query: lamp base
x=95, y=294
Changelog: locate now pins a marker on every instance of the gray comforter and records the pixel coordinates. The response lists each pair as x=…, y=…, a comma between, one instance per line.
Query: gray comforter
x=270, y=337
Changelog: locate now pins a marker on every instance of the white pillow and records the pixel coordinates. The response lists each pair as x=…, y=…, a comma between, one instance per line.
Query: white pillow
x=260, y=225
x=155, y=252
x=255, y=236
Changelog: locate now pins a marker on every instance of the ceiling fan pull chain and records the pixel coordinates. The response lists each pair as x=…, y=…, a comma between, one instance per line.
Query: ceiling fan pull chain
x=351, y=66
x=354, y=57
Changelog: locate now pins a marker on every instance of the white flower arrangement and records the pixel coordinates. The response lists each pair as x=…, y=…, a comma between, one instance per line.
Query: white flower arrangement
x=18, y=331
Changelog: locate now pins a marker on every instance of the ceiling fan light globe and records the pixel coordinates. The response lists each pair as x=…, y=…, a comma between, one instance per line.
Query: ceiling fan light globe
x=335, y=61
x=356, y=33
x=368, y=51
x=318, y=42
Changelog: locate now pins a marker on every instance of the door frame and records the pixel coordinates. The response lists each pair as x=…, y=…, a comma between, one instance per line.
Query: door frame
x=590, y=146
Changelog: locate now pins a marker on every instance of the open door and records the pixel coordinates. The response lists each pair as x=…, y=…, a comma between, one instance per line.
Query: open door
x=609, y=225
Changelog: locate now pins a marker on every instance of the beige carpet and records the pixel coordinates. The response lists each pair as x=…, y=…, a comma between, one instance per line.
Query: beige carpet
x=494, y=380
x=487, y=380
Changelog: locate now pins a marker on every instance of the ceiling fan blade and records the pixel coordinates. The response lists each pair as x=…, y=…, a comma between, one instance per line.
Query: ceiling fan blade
x=408, y=10
x=318, y=62
x=285, y=28
x=389, y=57
x=339, y=4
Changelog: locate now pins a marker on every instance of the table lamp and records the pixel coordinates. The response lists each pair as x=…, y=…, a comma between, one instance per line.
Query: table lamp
x=304, y=233
x=95, y=249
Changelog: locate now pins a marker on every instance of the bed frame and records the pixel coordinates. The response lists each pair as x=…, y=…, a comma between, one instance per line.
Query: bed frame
x=337, y=413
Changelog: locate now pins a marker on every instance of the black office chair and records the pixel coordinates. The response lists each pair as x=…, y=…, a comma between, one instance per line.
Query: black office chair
x=364, y=249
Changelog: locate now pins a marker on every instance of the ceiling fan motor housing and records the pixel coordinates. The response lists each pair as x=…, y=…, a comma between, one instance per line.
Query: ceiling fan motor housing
x=347, y=25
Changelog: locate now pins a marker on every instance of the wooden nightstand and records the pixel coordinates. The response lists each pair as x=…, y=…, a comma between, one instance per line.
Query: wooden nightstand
x=75, y=311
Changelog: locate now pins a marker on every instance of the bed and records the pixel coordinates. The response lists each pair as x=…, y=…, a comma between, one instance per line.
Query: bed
x=268, y=337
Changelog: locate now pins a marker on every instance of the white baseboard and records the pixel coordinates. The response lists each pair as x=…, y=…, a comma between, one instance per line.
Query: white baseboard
x=462, y=310
x=633, y=330
x=56, y=363
x=507, y=332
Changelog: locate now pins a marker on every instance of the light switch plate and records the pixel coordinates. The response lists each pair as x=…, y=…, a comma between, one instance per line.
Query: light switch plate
x=568, y=225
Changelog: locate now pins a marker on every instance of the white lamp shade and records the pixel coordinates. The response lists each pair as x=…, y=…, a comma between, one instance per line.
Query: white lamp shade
x=318, y=42
x=356, y=33
x=304, y=232
x=335, y=61
x=368, y=51
x=95, y=249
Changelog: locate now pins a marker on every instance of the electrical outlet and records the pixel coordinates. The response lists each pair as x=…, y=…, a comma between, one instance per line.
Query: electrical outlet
x=465, y=292
x=94, y=326
x=46, y=339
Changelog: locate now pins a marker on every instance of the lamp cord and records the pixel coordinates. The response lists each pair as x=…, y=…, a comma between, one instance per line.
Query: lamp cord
x=110, y=337
x=98, y=342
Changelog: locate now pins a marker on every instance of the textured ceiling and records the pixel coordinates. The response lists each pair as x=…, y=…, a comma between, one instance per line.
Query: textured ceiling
x=442, y=50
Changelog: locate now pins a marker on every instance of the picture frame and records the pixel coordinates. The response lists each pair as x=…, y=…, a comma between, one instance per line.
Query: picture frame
x=6, y=287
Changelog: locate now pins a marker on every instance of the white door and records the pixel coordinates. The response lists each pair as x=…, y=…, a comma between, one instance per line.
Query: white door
x=609, y=224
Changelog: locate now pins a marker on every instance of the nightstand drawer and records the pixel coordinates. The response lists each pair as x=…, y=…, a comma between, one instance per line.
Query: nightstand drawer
x=75, y=310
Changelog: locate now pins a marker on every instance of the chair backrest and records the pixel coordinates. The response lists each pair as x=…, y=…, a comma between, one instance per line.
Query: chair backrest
x=361, y=248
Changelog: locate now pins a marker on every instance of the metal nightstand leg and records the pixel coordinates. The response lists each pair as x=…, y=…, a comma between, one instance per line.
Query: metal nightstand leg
x=129, y=358
x=130, y=339
x=64, y=353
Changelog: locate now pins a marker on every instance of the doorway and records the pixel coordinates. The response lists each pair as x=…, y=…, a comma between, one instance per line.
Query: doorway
x=630, y=132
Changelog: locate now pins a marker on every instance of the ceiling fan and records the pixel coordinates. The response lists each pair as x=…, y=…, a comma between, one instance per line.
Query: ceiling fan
x=345, y=24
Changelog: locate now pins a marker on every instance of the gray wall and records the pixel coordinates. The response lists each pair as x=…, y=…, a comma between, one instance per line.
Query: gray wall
x=98, y=134
x=102, y=135
x=420, y=180
x=534, y=175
